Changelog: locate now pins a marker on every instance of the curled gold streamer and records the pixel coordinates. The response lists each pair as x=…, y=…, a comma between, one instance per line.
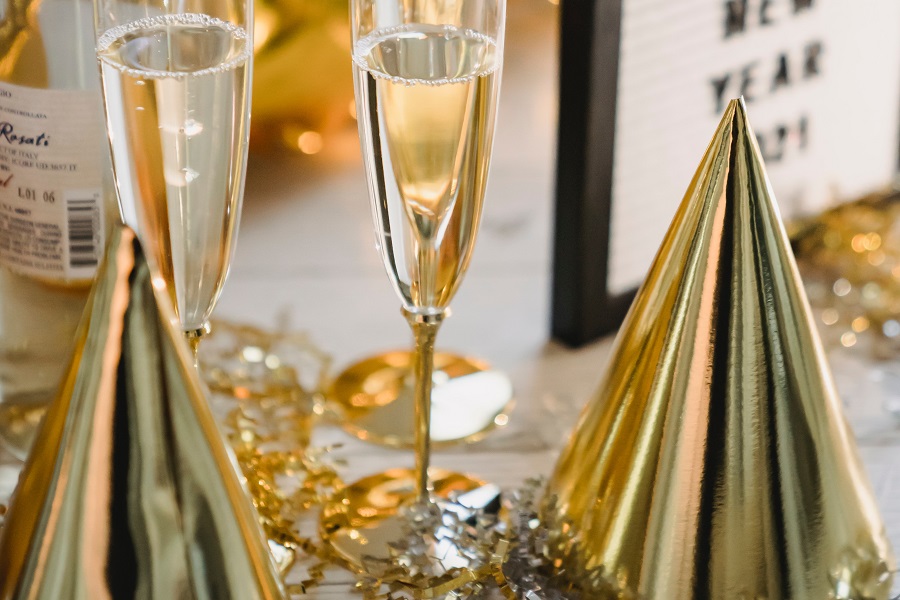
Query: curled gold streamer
x=269, y=415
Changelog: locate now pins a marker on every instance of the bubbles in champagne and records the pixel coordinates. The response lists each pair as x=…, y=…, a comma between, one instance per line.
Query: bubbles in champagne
x=189, y=174
x=192, y=128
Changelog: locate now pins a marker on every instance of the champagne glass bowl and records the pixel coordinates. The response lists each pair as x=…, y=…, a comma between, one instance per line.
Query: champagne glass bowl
x=176, y=90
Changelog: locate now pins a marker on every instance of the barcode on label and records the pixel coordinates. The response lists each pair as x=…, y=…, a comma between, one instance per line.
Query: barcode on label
x=85, y=227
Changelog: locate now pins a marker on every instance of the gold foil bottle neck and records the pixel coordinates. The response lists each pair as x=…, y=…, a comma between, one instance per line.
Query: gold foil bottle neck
x=714, y=462
x=129, y=491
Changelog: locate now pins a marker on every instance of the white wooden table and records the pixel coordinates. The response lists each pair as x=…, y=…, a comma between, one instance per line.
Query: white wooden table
x=306, y=250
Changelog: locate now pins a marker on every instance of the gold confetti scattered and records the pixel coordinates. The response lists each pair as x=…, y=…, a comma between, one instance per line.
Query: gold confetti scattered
x=256, y=377
x=267, y=410
x=849, y=257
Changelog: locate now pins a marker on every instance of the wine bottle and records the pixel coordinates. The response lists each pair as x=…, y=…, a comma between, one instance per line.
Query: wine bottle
x=56, y=199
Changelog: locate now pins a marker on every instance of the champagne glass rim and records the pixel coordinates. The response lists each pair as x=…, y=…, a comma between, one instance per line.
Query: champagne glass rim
x=108, y=38
x=187, y=18
x=366, y=44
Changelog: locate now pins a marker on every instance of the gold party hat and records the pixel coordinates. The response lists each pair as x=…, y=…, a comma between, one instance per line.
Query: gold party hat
x=129, y=491
x=714, y=462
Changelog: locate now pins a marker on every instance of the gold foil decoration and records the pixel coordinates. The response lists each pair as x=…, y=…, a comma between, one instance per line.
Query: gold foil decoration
x=129, y=491
x=849, y=257
x=267, y=384
x=714, y=461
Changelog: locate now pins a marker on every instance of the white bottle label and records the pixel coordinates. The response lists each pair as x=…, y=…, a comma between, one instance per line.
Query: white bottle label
x=51, y=178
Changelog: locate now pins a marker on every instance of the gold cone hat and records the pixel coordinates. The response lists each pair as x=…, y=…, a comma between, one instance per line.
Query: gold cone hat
x=714, y=462
x=129, y=491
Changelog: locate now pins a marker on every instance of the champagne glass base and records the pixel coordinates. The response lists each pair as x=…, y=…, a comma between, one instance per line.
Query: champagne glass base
x=366, y=526
x=375, y=395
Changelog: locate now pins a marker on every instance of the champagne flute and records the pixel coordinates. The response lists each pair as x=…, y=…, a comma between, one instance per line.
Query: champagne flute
x=176, y=90
x=427, y=84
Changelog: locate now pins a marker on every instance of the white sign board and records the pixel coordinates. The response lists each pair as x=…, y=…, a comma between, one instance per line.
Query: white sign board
x=822, y=83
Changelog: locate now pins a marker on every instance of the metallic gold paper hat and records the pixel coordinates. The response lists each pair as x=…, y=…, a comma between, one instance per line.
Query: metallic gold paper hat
x=714, y=462
x=129, y=491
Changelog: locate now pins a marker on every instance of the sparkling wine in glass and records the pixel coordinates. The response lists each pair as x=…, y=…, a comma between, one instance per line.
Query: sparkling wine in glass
x=427, y=84
x=176, y=88
x=428, y=97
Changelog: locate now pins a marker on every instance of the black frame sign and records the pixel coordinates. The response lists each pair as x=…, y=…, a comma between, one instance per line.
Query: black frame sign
x=642, y=87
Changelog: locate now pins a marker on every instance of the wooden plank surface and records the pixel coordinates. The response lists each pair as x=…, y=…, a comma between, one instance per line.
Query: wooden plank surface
x=306, y=252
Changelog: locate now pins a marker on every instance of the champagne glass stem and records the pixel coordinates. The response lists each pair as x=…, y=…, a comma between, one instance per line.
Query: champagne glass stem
x=193, y=337
x=424, y=329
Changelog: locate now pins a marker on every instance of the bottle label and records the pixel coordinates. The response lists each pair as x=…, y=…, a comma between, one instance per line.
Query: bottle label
x=51, y=182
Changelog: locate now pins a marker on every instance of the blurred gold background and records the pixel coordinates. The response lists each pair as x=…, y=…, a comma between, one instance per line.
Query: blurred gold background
x=302, y=79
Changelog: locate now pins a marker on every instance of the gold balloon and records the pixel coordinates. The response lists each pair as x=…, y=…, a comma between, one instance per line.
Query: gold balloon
x=714, y=461
x=129, y=491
